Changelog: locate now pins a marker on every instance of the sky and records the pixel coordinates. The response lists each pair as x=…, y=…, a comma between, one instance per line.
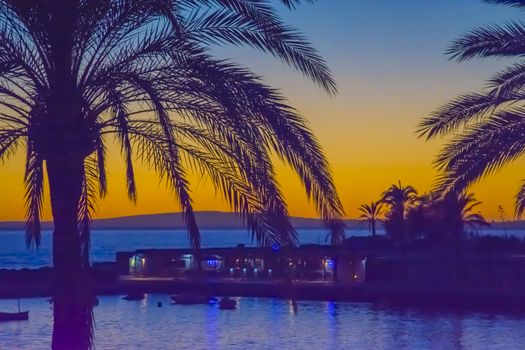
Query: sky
x=389, y=63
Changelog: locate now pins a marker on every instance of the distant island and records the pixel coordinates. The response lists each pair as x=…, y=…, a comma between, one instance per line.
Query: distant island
x=206, y=220
x=211, y=220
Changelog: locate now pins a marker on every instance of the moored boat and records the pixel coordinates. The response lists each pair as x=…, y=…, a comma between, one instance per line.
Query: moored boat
x=227, y=303
x=191, y=299
x=14, y=316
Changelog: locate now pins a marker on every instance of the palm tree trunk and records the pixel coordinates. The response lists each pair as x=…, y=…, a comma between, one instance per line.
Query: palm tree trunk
x=73, y=295
x=65, y=185
x=73, y=319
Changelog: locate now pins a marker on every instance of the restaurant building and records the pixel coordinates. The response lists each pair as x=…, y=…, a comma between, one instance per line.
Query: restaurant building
x=307, y=262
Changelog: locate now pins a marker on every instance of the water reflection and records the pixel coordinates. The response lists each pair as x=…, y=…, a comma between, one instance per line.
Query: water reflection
x=266, y=324
x=212, y=334
x=457, y=333
x=333, y=324
x=73, y=319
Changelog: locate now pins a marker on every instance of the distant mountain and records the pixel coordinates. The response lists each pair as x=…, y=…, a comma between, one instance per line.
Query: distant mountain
x=212, y=220
x=206, y=220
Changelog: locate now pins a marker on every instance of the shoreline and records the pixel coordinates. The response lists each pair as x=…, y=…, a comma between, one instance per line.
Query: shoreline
x=394, y=294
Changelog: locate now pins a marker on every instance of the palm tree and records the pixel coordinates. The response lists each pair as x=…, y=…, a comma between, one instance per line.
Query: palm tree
x=419, y=217
x=371, y=214
x=436, y=217
x=487, y=127
x=457, y=213
x=399, y=198
x=77, y=75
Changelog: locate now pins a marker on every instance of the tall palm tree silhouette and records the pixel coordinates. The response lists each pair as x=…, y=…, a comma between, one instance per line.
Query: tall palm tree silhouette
x=371, y=215
x=77, y=74
x=399, y=198
x=487, y=127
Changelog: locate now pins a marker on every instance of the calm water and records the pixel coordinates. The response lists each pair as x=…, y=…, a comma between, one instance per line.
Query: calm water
x=257, y=323
x=270, y=324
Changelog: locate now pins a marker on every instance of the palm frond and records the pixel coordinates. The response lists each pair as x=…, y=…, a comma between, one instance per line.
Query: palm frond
x=9, y=142
x=294, y=3
x=460, y=112
x=121, y=116
x=101, y=167
x=287, y=134
x=520, y=201
x=482, y=150
x=237, y=176
x=509, y=82
x=34, y=183
x=490, y=41
x=87, y=206
x=515, y=3
x=256, y=24
x=163, y=155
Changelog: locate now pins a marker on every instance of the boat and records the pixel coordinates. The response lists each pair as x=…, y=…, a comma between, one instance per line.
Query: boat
x=134, y=296
x=14, y=316
x=192, y=299
x=227, y=303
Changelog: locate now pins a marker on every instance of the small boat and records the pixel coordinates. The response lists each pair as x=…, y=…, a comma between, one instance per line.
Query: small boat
x=227, y=303
x=192, y=299
x=134, y=296
x=14, y=316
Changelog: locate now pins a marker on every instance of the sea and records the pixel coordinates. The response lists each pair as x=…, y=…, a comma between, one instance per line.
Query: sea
x=257, y=323
x=265, y=324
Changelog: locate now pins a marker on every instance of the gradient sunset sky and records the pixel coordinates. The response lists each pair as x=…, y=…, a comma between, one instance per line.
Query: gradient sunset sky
x=387, y=57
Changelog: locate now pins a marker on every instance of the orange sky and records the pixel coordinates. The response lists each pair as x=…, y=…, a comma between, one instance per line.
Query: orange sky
x=391, y=74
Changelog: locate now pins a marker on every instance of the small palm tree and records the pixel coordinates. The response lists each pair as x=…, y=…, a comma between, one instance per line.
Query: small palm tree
x=487, y=127
x=399, y=198
x=371, y=215
x=419, y=215
x=446, y=218
x=458, y=213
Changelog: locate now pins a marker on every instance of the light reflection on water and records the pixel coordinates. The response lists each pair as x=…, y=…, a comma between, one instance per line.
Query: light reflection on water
x=269, y=323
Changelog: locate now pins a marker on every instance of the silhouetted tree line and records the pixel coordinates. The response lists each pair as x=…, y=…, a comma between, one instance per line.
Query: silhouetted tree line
x=407, y=216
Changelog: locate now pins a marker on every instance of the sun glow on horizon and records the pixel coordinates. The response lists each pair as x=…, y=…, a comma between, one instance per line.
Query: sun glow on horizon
x=391, y=72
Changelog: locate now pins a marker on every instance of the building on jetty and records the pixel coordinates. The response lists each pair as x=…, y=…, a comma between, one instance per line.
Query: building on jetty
x=308, y=262
x=495, y=265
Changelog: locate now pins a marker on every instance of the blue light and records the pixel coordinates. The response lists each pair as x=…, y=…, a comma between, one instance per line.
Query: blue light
x=276, y=247
x=329, y=262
